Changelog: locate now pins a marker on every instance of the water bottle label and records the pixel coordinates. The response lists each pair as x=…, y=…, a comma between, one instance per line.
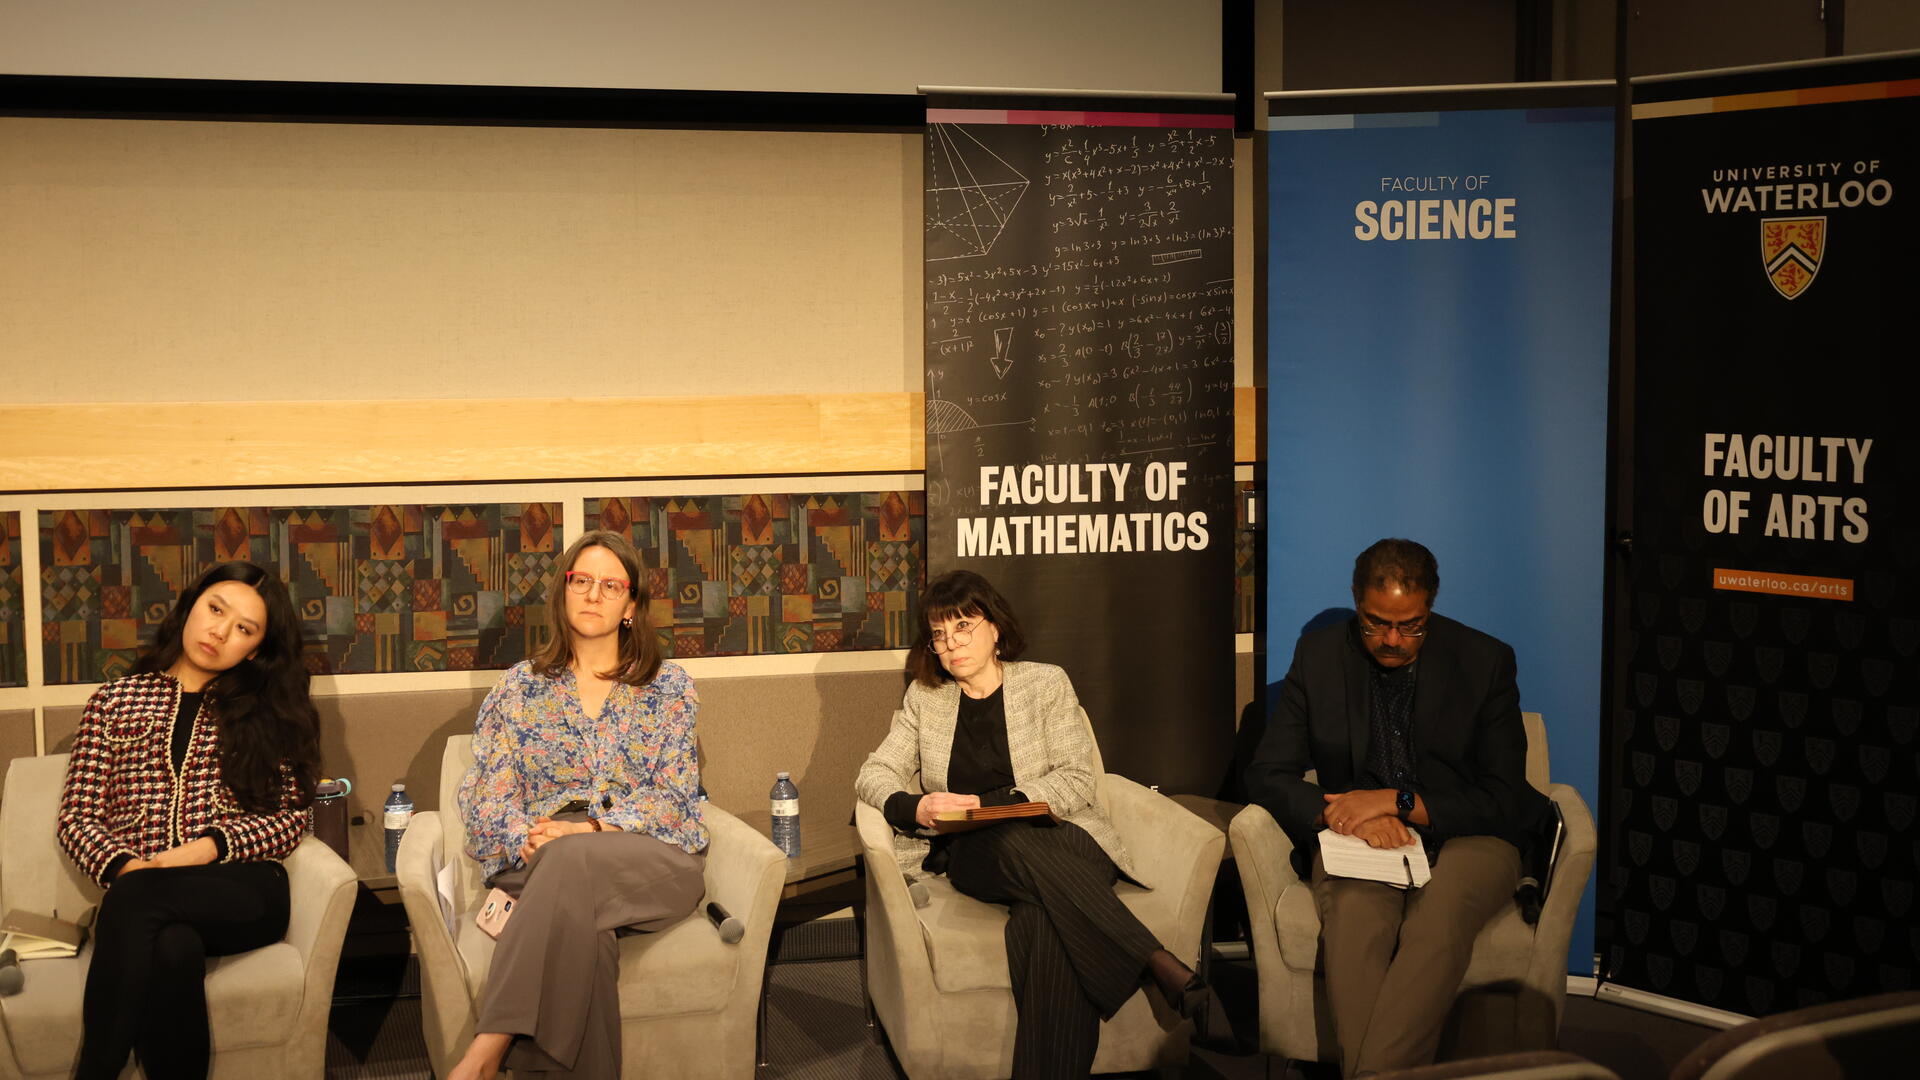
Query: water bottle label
x=397, y=819
x=786, y=807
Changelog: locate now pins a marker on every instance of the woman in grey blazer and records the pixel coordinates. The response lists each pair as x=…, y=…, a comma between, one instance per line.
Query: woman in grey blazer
x=978, y=727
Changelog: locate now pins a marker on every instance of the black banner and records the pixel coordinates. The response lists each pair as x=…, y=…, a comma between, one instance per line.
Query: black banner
x=1764, y=768
x=1079, y=338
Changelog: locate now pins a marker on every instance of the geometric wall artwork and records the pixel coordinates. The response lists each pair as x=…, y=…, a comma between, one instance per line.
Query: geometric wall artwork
x=736, y=575
x=13, y=603
x=394, y=587
x=414, y=587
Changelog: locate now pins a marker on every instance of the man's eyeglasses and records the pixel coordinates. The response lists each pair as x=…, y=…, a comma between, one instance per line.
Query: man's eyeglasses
x=581, y=584
x=961, y=637
x=1412, y=628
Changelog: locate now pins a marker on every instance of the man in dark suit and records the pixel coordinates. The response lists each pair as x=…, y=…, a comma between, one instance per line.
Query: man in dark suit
x=1412, y=721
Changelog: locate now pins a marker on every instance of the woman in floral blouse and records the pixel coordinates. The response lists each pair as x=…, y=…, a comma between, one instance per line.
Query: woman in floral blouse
x=595, y=720
x=189, y=779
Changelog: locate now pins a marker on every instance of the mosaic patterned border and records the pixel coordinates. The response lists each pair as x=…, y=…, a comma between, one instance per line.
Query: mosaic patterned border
x=13, y=603
x=736, y=575
x=393, y=587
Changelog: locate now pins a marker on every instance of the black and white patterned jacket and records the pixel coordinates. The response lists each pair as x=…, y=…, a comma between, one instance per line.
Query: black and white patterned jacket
x=123, y=796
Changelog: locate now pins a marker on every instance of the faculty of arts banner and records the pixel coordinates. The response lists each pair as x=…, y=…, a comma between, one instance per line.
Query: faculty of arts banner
x=1766, y=767
x=1079, y=365
x=1439, y=286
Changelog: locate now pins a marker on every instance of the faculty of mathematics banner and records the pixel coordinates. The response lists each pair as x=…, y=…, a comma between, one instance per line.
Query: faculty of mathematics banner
x=1079, y=342
x=1766, y=768
x=1439, y=286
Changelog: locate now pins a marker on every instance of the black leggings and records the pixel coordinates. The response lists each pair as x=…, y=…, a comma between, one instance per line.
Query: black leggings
x=146, y=989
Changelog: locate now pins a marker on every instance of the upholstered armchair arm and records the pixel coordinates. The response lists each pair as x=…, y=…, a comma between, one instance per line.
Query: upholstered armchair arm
x=1177, y=853
x=899, y=972
x=744, y=875
x=1264, y=854
x=445, y=998
x=321, y=888
x=1554, y=930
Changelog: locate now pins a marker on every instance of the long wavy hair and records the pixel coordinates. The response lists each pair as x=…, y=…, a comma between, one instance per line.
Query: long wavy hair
x=269, y=729
x=639, y=647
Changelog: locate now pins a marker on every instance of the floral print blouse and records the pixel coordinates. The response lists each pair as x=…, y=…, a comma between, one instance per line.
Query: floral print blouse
x=535, y=748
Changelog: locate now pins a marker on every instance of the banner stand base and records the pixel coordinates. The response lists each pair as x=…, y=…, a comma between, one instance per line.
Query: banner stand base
x=1660, y=1005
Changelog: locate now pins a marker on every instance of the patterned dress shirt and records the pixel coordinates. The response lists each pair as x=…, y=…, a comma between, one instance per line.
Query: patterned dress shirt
x=124, y=797
x=535, y=749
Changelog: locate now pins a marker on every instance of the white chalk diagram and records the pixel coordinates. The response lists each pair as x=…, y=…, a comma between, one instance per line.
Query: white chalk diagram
x=1002, y=358
x=971, y=193
x=944, y=418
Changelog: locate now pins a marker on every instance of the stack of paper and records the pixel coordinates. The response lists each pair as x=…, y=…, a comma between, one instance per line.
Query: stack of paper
x=1351, y=857
x=36, y=937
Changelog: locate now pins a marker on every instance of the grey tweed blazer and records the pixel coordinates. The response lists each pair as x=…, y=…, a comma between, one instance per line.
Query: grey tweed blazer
x=1050, y=745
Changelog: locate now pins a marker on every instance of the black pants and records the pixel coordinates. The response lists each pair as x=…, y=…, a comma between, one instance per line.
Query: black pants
x=1075, y=953
x=146, y=986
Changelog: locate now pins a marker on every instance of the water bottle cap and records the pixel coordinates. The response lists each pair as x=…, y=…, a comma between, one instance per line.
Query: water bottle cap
x=781, y=776
x=399, y=787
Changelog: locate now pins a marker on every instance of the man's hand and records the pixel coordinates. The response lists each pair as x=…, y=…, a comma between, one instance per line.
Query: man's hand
x=544, y=830
x=1385, y=832
x=939, y=802
x=1346, y=812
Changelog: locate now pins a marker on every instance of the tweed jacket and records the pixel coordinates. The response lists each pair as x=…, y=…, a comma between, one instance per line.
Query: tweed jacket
x=122, y=796
x=1049, y=743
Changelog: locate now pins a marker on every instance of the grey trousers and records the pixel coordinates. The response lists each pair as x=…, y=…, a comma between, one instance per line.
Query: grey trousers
x=554, y=982
x=1393, y=958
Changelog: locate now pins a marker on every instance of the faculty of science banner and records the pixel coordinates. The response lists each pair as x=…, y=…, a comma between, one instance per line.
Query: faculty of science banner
x=1079, y=364
x=1766, y=768
x=1438, y=317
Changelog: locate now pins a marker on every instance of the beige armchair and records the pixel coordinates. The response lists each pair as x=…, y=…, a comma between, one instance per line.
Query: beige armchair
x=689, y=1002
x=1515, y=989
x=937, y=973
x=267, y=1008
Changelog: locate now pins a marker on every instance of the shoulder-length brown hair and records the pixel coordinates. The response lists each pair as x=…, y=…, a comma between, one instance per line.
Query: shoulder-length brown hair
x=967, y=594
x=639, y=648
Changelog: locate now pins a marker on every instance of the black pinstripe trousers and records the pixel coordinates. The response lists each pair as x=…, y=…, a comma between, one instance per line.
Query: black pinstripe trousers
x=1076, y=954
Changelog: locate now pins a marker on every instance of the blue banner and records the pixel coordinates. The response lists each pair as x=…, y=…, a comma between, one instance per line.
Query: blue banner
x=1438, y=319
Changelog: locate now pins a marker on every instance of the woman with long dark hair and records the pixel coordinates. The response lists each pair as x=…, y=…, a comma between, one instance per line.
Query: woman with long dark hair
x=189, y=780
x=583, y=803
x=981, y=727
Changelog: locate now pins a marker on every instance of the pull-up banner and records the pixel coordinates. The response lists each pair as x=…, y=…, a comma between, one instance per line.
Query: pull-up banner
x=1079, y=362
x=1767, y=769
x=1439, y=287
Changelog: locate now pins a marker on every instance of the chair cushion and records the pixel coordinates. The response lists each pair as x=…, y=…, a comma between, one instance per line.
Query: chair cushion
x=253, y=999
x=685, y=968
x=1501, y=952
x=966, y=938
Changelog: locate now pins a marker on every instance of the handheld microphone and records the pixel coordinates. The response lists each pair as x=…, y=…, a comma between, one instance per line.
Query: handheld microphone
x=11, y=977
x=731, y=929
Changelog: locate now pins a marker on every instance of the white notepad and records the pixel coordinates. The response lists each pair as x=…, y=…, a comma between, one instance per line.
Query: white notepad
x=1402, y=867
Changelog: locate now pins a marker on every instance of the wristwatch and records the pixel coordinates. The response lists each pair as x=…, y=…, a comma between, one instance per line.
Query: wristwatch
x=1403, y=803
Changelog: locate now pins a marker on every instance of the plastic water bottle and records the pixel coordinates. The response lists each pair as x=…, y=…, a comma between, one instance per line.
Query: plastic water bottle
x=786, y=815
x=398, y=811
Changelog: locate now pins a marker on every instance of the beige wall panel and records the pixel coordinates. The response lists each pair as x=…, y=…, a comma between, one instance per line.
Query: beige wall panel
x=820, y=728
x=295, y=444
x=376, y=739
x=204, y=261
x=60, y=722
x=16, y=736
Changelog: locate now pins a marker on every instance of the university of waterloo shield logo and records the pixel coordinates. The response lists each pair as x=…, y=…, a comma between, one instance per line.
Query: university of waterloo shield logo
x=1790, y=249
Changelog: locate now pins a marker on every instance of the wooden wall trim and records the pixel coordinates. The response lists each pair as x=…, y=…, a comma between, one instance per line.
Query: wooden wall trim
x=97, y=447
x=118, y=446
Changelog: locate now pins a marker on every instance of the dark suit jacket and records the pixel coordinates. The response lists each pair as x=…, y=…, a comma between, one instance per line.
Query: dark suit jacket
x=1469, y=748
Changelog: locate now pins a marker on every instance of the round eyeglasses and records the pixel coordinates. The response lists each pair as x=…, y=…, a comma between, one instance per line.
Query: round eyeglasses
x=961, y=637
x=581, y=584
